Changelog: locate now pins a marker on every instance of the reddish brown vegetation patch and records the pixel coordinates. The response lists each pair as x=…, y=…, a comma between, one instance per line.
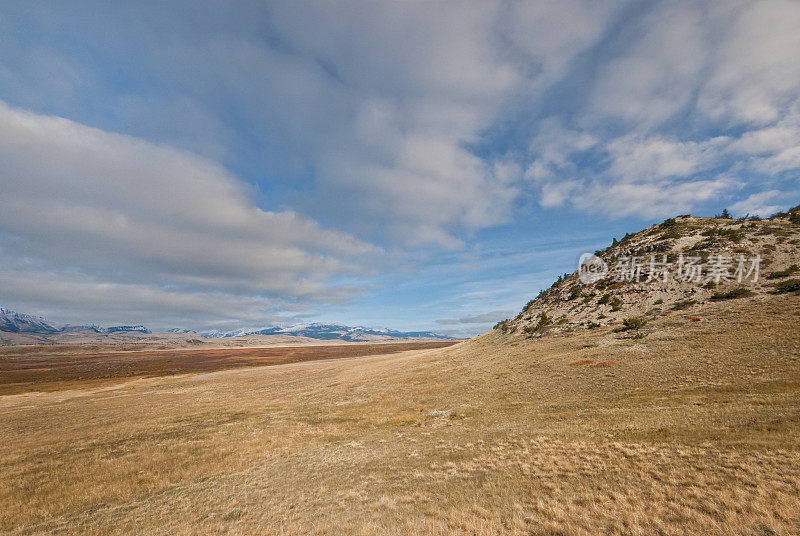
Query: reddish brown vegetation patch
x=19, y=374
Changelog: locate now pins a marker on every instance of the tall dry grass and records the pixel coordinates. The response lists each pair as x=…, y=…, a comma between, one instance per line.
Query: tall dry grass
x=692, y=430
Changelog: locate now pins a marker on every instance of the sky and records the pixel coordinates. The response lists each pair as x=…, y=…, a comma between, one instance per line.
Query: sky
x=413, y=165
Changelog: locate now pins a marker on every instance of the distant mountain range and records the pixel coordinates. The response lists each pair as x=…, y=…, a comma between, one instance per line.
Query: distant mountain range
x=322, y=332
x=12, y=321
x=24, y=323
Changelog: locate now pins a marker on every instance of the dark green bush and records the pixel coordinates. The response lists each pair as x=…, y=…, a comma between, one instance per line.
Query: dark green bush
x=604, y=299
x=790, y=285
x=574, y=292
x=670, y=234
x=544, y=320
x=682, y=304
x=527, y=306
x=503, y=326
x=731, y=294
x=724, y=216
x=784, y=273
x=635, y=323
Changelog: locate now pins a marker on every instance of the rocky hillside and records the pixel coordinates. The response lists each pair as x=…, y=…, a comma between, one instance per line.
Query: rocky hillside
x=674, y=267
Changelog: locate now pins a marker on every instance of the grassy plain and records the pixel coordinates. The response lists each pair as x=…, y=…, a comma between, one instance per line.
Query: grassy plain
x=693, y=429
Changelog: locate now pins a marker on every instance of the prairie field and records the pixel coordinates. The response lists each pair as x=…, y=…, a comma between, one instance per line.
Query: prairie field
x=53, y=368
x=693, y=429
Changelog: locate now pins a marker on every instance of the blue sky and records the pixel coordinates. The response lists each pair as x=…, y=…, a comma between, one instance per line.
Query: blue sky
x=416, y=165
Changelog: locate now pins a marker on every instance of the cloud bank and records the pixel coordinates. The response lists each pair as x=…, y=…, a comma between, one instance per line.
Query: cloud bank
x=124, y=222
x=266, y=159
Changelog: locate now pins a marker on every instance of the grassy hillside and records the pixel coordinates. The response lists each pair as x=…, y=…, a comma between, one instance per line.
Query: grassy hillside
x=650, y=273
x=693, y=429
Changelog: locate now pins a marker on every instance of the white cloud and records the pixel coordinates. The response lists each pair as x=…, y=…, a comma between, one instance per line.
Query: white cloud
x=656, y=74
x=374, y=104
x=653, y=199
x=635, y=159
x=413, y=125
x=667, y=108
x=554, y=194
x=550, y=34
x=130, y=213
x=553, y=146
x=484, y=318
x=755, y=73
x=759, y=204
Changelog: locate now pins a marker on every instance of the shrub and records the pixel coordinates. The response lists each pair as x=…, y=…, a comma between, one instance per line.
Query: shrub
x=604, y=299
x=731, y=294
x=635, y=323
x=682, y=304
x=544, y=320
x=658, y=302
x=790, y=285
x=616, y=304
x=593, y=325
x=725, y=215
x=502, y=326
x=784, y=273
x=527, y=306
x=670, y=234
x=734, y=235
x=574, y=292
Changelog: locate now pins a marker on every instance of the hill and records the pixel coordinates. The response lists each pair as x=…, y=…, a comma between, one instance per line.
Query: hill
x=681, y=264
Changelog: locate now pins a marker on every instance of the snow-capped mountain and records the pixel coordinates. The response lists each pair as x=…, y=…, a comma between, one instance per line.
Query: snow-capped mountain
x=23, y=323
x=323, y=332
x=117, y=329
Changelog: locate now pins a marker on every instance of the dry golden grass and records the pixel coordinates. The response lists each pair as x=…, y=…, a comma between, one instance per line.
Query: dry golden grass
x=693, y=430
